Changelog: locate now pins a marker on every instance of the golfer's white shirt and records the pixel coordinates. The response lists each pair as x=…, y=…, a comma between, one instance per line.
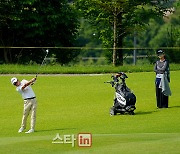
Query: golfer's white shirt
x=26, y=92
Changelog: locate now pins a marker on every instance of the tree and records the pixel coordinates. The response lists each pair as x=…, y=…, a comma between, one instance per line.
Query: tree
x=115, y=19
x=168, y=35
x=5, y=31
x=38, y=23
x=163, y=32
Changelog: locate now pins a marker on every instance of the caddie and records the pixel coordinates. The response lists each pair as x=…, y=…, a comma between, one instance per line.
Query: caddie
x=30, y=103
x=162, y=80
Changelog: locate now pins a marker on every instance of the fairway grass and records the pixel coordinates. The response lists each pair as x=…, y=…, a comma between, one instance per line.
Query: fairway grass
x=80, y=104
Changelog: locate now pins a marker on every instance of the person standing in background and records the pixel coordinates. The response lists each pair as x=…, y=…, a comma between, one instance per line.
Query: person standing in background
x=162, y=80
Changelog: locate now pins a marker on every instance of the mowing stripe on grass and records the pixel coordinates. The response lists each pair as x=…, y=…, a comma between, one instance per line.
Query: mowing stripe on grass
x=14, y=140
x=136, y=134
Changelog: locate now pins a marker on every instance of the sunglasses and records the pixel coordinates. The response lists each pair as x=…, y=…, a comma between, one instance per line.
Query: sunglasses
x=15, y=83
x=161, y=54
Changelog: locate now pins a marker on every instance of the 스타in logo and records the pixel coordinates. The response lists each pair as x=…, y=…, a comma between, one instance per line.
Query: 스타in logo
x=84, y=139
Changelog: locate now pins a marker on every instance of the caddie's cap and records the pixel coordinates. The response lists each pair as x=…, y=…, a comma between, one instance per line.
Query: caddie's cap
x=160, y=52
x=14, y=80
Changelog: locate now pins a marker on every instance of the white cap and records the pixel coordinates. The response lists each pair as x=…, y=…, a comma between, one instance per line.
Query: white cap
x=14, y=80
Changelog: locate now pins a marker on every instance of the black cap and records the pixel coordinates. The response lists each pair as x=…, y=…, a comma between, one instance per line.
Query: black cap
x=160, y=52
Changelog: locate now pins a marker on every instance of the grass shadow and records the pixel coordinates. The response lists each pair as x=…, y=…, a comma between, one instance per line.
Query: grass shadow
x=150, y=112
x=144, y=112
x=137, y=113
x=57, y=129
x=174, y=107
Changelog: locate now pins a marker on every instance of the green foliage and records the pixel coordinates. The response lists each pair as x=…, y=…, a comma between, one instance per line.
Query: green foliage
x=129, y=16
x=88, y=38
x=38, y=23
x=160, y=33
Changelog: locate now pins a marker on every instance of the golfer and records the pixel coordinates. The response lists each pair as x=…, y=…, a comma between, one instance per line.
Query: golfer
x=162, y=80
x=30, y=103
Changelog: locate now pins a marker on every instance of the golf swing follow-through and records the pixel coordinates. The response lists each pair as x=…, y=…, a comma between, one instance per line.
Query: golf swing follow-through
x=30, y=103
x=29, y=97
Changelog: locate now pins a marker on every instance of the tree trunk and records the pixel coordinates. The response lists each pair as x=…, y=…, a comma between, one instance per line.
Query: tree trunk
x=119, y=38
x=115, y=41
x=119, y=60
x=6, y=56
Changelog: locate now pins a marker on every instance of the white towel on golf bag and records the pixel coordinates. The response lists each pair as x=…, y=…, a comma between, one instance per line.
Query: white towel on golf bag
x=164, y=85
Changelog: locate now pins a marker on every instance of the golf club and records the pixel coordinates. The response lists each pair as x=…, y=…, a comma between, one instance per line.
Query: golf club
x=42, y=62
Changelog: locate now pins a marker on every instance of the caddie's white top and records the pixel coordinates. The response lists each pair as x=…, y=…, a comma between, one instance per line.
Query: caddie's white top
x=159, y=76
x=26, y=92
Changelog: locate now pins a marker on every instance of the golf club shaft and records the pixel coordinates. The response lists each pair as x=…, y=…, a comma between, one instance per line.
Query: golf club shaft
x=42, y=63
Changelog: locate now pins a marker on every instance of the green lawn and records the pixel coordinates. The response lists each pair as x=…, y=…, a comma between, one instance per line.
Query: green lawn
x=77, y=69
x=80, y=104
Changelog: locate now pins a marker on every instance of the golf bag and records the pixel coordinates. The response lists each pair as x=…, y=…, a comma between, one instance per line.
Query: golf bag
x=124, y=101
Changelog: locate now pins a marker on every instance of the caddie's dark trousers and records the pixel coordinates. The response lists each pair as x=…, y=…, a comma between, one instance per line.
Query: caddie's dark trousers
x=162, y=100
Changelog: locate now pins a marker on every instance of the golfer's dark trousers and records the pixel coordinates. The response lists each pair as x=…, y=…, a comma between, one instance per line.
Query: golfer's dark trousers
x=162, y=100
